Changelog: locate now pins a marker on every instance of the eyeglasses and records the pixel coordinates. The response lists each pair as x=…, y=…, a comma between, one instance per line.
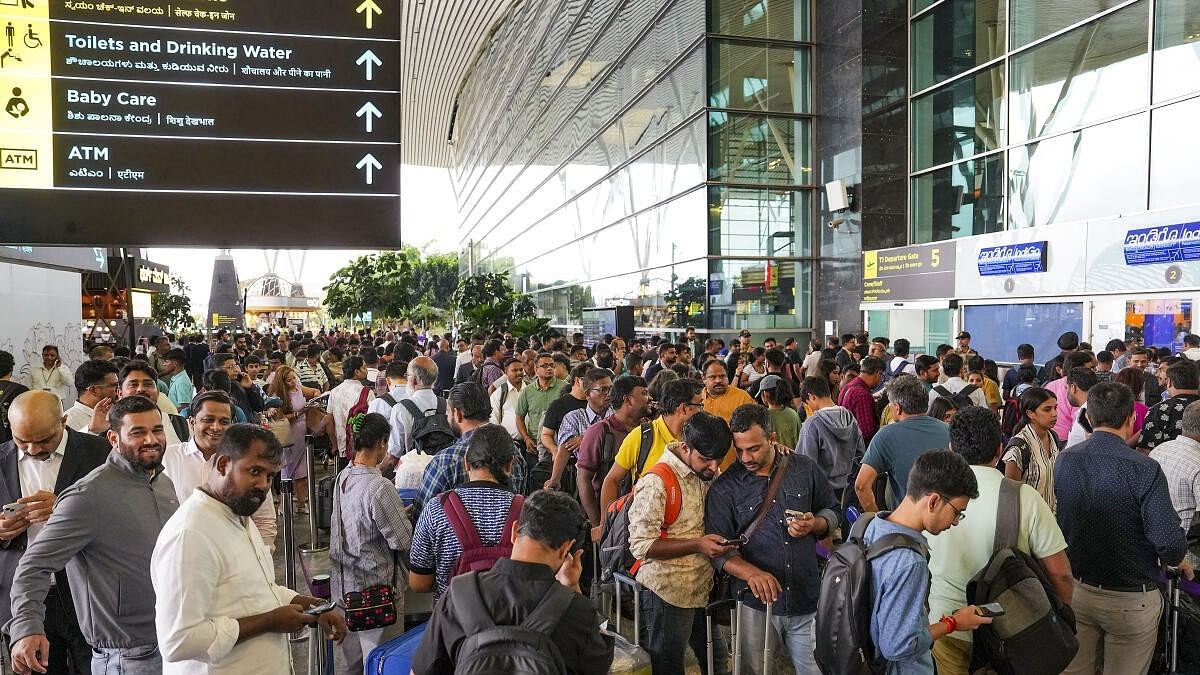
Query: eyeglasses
x=602, y=390
x=958, y=515
x=545, y=365
x=695, y=406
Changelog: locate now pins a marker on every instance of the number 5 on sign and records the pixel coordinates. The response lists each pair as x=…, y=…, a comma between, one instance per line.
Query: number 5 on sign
x=935, y=257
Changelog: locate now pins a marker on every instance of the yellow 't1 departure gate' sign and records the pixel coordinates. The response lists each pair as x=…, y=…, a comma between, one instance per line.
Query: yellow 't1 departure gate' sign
x=909, y=273
x=26, y=122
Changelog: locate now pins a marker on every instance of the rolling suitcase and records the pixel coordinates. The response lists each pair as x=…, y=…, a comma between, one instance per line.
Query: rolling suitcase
x=394, y=657
x=325, y=501
x=735, y=606
x=628, y=657
x=1178, y=651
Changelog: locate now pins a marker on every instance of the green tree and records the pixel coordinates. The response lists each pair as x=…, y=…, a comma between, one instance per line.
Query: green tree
x=173, y=311
x=380, y=284
x=488, y=303
x=437, y=276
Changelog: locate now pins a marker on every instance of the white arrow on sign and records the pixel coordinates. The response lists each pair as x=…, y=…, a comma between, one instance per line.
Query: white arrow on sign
x=370, y=112
x=369, y=61
x=370, y=165
x=369, y=9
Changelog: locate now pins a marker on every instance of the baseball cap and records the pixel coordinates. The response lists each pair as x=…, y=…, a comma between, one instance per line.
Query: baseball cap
x=962, y=335
x=769, y=382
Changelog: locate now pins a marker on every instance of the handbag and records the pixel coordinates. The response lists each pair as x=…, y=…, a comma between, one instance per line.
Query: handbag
x=372, y=607
x=721, y=585
x=282, y=428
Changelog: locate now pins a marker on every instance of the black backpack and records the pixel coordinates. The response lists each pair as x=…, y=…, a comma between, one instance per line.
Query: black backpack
x=961, y=398
x=182, y=430
x=1010, y=417
x=430, y=429
x=490, y=649
x=846, y=602
x=608, y=455
x=1036, y=635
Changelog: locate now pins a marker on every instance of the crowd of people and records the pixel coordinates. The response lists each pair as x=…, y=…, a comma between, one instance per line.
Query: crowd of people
x=140, y=514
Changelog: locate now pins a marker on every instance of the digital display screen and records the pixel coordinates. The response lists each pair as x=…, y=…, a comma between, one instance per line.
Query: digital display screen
x=226, y=122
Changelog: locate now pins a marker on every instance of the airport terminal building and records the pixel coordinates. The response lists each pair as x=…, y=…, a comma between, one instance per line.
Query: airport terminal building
x=802, y=168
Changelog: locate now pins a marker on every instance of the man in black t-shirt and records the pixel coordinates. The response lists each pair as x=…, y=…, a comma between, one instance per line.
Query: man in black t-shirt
x=572, y=398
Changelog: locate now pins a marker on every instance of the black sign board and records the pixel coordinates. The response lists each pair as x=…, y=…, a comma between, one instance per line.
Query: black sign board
x=219, y=122
x=909, y=273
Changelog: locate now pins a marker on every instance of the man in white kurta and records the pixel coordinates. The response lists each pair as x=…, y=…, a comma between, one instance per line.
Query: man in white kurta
x=218, y=608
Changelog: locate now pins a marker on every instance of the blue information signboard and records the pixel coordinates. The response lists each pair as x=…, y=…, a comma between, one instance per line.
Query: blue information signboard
x=1025, y=258
x=1164, y=244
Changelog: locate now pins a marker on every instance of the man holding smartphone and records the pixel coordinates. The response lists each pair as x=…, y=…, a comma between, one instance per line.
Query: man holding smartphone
x=218, y=608
x=777, y=557
x=43, y=459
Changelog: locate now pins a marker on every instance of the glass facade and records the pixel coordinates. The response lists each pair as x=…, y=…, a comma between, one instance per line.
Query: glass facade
x=1026, y=113
x=652, y=153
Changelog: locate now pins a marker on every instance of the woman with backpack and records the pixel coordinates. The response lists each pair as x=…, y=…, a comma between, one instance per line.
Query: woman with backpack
x=369, y=531
x=469, y=527
x=1030, y=453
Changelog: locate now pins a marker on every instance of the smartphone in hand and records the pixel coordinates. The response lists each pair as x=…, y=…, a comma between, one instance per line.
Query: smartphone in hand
x=991, y=609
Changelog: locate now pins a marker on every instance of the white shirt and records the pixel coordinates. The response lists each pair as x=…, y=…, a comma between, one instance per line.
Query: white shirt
x=401, y=440
x=463, y=357
x=55, y=380
x=36, y=474
x=341, y=400
x=185, y=465
x=209, y=569
x=1077, y=434
x=79, y=417
x=382, y=407
x=506, y=415
x=957, y=384
x=910, y=367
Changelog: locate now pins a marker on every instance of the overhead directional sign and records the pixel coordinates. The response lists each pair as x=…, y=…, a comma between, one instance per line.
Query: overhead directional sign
x=909, y=272
x=1025, y=258
x=239, y=122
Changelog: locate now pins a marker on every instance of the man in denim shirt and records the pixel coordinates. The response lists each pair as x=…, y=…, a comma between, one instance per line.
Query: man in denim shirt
x=803, y=511
x=940, y=485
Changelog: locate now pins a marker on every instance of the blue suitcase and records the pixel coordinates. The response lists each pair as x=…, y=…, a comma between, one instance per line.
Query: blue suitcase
x=394, y=657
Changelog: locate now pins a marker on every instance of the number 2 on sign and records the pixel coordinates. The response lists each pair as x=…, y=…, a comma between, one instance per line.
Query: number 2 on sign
x=935, y=257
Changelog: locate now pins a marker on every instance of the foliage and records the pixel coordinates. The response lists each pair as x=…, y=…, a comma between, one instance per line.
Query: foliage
x=530, y=327
x=393, y=285
x=173, y=311
x=488, y=303
x=686, y=300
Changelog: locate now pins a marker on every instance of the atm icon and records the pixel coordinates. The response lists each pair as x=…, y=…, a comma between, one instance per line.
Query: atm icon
x=18, y=158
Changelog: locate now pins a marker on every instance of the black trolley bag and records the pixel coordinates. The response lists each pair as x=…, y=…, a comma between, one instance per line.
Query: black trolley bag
x=1036, y=634
x=1178, y=650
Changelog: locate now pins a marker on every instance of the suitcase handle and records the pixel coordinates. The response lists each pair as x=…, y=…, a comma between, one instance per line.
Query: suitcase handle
x=619, y=580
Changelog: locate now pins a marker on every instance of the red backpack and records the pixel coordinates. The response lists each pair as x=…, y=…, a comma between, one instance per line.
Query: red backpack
x=477, y=556
x=354, y=420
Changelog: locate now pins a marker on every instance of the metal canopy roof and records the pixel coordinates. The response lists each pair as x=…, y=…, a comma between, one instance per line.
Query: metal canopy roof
x=439, y=40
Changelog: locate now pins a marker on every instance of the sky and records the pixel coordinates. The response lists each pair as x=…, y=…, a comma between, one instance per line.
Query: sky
x=428, y=221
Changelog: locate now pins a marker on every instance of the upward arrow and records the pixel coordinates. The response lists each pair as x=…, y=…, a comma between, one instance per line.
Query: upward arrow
x=369, y=9
x=370, y=112
x=369, y=61
x=370, y=165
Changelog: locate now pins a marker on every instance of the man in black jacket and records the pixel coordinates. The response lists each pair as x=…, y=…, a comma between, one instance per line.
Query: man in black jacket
x=43, y=458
